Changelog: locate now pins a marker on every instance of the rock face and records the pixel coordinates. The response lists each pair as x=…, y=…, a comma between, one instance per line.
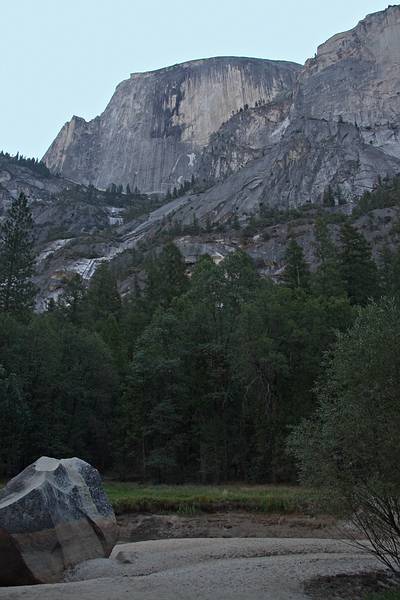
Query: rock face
x=340, y=130
x=335, y=122
x=254, y=133
x=243, y=138
x=354, y=77
x=53, y=515
x=153, y=130
x=15, y=179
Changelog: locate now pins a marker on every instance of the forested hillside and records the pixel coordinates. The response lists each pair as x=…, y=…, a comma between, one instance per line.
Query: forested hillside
x=193, y=378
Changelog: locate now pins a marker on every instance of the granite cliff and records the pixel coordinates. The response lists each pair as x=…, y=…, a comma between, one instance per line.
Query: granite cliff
x=256, y=134
x=154, y=128
x=263, y=131
x=340, y=130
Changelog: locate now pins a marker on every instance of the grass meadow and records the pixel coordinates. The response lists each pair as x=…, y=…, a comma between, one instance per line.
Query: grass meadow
x=191, y=499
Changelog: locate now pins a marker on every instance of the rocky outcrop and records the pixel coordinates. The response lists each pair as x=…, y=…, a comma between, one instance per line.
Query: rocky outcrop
x=334, y=122
x=355, y=77
x=312, y=155
x=243, y=138
x=15, y=179
x=53, y=515
x=255, y=134
x=153, y=130
x=341, y=130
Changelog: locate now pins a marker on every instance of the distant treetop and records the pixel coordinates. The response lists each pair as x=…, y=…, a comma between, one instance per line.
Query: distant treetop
x=32, y=163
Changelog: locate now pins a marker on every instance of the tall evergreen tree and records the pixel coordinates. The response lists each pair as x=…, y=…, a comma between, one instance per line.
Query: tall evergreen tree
x=103, y=296
x=17, y=292
x=73, y=301
x=327, y=281
x=15, y=416
x=166, y=277
x=390, y=271
x=328, y=198
x=358, y=269
x=296, y=274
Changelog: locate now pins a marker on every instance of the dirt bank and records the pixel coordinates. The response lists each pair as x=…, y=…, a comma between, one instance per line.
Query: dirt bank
x=139, y=527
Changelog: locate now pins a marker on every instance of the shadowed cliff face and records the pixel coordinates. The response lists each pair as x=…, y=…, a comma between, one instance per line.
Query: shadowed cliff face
x=156, y=124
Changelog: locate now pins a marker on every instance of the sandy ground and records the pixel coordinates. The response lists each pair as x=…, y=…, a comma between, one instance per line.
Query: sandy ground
x=204, y=569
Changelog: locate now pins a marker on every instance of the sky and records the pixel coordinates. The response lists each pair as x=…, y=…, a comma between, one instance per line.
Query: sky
x=60, y=58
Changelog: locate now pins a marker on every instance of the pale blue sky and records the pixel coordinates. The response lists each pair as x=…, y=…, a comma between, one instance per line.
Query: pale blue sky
x=65, y=57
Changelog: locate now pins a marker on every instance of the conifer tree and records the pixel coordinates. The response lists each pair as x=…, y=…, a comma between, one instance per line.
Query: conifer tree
x=17, y=292
x=327, y=281
x=72, y=302
x=15, y=418
x=390, y=271
x=328, y=197
x=103, y=296
x=296, y=274
x=358, y=270
x=166, y=277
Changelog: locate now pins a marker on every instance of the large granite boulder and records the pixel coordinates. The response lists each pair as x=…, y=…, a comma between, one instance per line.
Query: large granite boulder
x=53, y=515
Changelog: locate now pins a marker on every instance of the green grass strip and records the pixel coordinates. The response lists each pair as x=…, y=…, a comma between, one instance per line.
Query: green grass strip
x=191, y=499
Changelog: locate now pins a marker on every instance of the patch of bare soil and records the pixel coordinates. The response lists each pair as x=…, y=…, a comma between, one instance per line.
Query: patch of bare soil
x=350, y=587
x=135, y=527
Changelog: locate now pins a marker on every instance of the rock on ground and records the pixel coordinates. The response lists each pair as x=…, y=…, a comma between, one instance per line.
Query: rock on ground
x=53, y=516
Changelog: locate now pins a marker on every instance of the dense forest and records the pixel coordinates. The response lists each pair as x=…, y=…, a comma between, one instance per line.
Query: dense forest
x=196, y=377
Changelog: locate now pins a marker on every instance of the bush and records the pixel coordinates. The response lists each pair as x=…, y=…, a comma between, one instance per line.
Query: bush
x=351, y=447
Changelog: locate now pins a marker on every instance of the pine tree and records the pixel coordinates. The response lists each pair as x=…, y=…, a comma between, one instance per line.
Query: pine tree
x=103, y=297
x=166, y=277
x=328, y=198
x=358, y=270
x=296, y=274
x=15, y=419
x=17, y=292
x=390, y=271
x=395, y=281
x=72, y=302
x=327, y=281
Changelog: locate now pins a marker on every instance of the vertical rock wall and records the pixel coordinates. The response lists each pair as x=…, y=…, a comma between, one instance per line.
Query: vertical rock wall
x=153, y=130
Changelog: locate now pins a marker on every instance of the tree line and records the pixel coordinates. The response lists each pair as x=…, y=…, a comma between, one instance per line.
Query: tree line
x=193, y=378
x=34, y=164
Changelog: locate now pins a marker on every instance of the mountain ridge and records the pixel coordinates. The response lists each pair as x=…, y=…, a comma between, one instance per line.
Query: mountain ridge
x=332, y=133
x=351, y=81
x=154, y=127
